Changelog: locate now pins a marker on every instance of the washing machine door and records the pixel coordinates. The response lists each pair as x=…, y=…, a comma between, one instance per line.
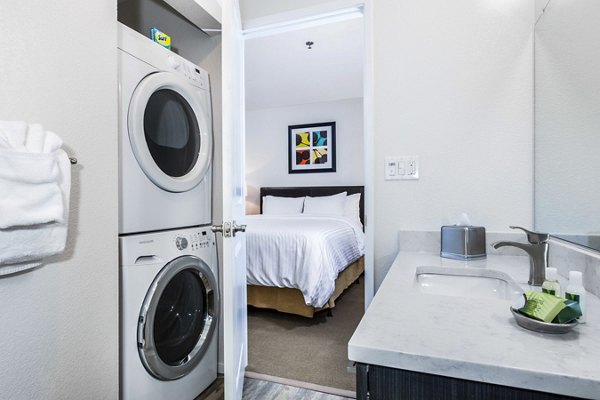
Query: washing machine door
x=178, y=318
x=169, y=131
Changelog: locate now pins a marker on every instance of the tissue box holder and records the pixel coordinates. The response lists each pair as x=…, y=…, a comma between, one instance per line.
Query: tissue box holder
x=463, y=242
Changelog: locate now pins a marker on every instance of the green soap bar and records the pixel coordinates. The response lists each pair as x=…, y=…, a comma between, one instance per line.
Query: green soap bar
x=571, y=312
x=542, y=306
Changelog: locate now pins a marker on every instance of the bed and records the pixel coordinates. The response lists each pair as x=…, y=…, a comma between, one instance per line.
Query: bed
x=328, y=260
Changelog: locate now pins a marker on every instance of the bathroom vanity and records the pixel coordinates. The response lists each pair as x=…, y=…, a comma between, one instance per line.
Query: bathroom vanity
x=449, y=339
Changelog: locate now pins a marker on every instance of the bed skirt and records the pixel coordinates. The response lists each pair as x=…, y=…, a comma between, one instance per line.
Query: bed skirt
x=291, y=301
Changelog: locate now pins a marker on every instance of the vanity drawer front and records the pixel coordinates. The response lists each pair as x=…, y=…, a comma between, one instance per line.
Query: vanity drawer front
x=374, y=382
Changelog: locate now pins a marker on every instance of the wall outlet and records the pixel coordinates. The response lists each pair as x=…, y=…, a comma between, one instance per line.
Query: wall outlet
x=401, y=168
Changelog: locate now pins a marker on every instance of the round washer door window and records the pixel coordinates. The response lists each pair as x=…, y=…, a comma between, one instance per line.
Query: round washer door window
x=178, y=318
x=169, y=132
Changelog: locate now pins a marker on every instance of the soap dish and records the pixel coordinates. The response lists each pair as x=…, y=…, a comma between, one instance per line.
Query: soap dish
x=539, y=326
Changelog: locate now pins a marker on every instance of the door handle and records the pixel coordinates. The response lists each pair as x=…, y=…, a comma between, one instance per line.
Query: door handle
x=228, y=229
x=238, y=228
x=217, y=228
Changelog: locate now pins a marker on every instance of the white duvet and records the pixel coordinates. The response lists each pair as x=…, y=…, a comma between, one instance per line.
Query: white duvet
x=302, y=252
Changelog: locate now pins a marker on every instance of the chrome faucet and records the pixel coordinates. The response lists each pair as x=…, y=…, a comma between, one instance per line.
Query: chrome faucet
x=537, y=248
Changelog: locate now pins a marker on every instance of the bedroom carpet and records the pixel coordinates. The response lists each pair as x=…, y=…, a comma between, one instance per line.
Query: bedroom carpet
x=304, y=349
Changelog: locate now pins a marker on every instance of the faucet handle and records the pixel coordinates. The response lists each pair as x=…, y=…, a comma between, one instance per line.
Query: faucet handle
x=533, y=237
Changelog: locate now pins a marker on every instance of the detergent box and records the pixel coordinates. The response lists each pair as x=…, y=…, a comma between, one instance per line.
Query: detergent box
x=161, y=38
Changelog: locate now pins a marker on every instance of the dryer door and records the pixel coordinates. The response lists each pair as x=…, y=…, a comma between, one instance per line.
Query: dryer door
x=169, y=131
x=178, y=318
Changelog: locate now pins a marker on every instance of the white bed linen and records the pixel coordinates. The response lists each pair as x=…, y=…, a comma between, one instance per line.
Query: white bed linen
x=302, y=252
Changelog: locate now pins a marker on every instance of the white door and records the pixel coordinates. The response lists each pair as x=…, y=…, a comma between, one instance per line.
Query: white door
x=234, y=244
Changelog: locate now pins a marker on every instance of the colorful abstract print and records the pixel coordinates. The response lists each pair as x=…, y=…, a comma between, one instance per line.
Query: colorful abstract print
x=311, y=148
x=319, y=138
x=319, y=156
x=302, y=157
x=302, y=139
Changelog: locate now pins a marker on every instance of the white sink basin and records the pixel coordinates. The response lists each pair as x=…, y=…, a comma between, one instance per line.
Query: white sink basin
x=466, y=282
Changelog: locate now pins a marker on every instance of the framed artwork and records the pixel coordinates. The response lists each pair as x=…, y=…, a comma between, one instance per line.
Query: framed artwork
x=311, y=148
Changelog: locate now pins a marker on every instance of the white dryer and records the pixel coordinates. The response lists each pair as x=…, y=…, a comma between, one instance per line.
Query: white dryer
x=166, y=142
x=169, y=314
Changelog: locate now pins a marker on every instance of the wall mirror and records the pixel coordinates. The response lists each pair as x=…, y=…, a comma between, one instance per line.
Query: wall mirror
x=567, y=120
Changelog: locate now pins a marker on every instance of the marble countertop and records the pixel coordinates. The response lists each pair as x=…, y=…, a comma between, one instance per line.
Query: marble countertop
x=474, y=339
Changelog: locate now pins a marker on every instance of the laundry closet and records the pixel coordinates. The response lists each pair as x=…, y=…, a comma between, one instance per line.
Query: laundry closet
x=170, y=297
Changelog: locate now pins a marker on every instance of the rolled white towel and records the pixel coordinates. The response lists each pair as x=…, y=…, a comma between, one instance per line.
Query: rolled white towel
x=12, y=135
x=52, y=142
x=16, y=135
x=29, y=176
x=36, y=136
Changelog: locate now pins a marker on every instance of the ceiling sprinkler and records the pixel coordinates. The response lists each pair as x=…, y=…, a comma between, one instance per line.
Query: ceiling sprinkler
x=309, y=44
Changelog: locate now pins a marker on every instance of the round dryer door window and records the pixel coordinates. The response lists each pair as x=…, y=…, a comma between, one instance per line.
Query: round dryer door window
x=178, y=318
x=172, y=132
x=169, y=131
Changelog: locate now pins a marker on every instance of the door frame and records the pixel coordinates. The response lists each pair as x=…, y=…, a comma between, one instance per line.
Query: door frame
x=365, y=7
x=369, y=150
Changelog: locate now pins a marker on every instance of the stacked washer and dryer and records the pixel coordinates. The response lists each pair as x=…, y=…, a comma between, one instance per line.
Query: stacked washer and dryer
x=169, y=276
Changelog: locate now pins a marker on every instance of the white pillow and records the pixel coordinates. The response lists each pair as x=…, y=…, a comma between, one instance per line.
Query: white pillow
x=325, y=205
x=352, y=208
x=275, y=205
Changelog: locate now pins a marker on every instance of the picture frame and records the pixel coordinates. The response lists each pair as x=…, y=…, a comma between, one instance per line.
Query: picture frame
x=311, y=148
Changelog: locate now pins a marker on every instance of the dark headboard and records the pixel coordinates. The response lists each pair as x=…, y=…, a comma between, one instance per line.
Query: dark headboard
x=314, y=191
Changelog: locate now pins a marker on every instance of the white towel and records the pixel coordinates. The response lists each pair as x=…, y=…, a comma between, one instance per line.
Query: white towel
x=52, y=142
x=29, y=177
x=21, y=247
x=35, y=184
x=36, y=136
x=12, y=135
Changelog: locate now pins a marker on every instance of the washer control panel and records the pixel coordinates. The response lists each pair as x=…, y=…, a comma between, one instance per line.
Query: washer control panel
x=181, y=243
x=194, y=240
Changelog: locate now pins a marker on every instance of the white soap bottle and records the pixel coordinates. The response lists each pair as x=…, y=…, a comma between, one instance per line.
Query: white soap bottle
x=575, y=291
x=551, y=285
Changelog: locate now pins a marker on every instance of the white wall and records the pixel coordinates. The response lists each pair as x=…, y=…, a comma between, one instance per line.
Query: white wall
x=59, y=323
x=267, y=141
x=453, y=85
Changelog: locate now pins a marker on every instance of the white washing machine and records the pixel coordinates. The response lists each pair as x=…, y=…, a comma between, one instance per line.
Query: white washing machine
x=169, y=314
x=166, y=142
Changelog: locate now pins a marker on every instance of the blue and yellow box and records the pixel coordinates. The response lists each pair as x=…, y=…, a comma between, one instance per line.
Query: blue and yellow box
x=161, y=38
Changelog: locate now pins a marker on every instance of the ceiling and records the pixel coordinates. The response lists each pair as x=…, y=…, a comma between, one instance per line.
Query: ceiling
x=281, y=71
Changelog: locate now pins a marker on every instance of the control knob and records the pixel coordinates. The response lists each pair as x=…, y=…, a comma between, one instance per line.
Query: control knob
x=173, y=62
x=181, y=243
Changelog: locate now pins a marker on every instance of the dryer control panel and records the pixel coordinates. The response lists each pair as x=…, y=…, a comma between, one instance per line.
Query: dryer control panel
x=181, y=66
x=162, y=59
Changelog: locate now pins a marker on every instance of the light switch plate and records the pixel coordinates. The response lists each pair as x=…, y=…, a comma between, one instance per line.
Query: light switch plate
x=401, y=168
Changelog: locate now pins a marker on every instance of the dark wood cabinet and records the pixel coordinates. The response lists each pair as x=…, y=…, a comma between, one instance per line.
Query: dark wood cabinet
x=374, y=382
